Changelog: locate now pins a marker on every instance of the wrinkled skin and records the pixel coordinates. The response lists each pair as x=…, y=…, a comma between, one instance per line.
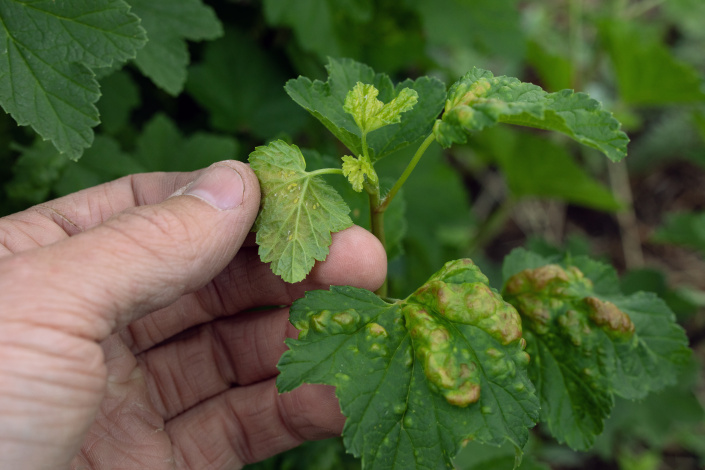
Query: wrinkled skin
x=125, y=336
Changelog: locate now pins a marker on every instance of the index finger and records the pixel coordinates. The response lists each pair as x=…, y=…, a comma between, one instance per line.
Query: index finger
x=61, y=218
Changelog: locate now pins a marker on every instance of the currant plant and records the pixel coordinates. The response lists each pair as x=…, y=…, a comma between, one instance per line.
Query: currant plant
x=455, y=361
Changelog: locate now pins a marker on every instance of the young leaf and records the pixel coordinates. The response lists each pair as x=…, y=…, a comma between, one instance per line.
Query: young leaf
x=418, y=377
x=480, y=100
x=356, y=170
x=326, y=101
x=589, y=343
x=299, y=211
x=47, y=51
x=370, y=113
x=165, y=57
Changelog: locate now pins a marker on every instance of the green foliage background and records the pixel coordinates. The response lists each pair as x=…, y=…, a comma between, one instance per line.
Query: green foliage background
x=191, y=82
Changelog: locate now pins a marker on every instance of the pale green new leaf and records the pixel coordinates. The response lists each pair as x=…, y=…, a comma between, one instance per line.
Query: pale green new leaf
x=299, y=211
x=47, y=51
x=326, y=101
x=480, y=100
x=588, y=342
x=169, y=24
x=418, y=377
x=370, y=113
x=357, y=170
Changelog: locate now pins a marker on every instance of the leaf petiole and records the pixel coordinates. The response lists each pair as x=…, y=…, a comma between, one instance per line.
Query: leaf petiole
x=325, y=171
x=407, y=171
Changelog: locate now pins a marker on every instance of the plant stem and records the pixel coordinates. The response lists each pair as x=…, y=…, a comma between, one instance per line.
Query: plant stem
x=325, y=171
x=407, y=171
x=377, y=224
x=492, y=226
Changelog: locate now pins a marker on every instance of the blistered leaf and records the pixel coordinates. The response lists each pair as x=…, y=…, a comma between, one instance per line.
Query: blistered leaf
x=370, y=113
x=325, y=101
x=480, y=100
x=299, y=211
x=418, y=377
x=47, y=52
x=589, y=343
x=169, y=24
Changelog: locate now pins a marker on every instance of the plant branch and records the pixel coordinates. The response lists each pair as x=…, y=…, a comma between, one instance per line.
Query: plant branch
x=407, y=171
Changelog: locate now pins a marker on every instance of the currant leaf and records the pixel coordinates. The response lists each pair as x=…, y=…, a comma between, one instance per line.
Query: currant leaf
x=326, y=100
x=298, y=214
x=416, y=378
x=48, y=53
x=588, y=342
x=370, y=113
x=169, y=24
x=480, y=100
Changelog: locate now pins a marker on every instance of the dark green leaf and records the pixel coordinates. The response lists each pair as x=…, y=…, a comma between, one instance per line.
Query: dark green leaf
x=480, y=100
x=684, y=228
x=299, y=211
x=169, y=24
x=120, y=98
x=47, y=51
x=418, y=377
x=241, y=87
x=326, y=100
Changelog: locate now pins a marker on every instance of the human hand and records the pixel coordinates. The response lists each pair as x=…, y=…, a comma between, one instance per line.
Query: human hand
x=127, y=335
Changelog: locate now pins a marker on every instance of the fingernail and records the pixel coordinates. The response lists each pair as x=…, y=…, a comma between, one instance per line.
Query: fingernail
x=220, y=186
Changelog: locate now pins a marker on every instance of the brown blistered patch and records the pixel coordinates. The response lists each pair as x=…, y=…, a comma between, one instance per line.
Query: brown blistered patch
x=609, y=317
x=446, y=367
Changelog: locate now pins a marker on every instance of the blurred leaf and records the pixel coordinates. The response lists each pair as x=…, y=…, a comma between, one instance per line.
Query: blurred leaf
x=657, y=420
x=684, y=228
x=120, y=98
x=241, y=87
x=34, y=173
x=47, y=52
x=555, y=70
x=103, y=162
x=535, y=166
x=161, y=147
x=168, y=23
x=314, y=22
x=647, y=73
x=492, y=27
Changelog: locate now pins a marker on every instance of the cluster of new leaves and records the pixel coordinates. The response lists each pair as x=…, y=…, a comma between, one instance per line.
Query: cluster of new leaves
x=51, y=51
x=588, y=342
x=355, y=101
x=419, y=377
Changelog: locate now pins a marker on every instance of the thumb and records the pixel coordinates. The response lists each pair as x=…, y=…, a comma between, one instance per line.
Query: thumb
x=142, y=259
